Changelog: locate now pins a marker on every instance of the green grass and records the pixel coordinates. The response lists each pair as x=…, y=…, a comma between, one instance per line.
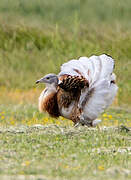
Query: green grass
x=33, y=143
x=36, y=37
x=66, y=153
x=28, y=114
x=64, y=12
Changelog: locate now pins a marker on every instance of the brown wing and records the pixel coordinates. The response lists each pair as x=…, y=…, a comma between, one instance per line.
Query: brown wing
x=72, y=83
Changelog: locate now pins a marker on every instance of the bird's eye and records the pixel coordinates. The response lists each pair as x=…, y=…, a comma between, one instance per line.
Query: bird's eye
x=47, y=78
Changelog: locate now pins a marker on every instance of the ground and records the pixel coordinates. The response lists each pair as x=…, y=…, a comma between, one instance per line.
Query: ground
x=32, y=143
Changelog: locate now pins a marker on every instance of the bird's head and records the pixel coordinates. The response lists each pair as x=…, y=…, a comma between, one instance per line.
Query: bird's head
x=49, y=79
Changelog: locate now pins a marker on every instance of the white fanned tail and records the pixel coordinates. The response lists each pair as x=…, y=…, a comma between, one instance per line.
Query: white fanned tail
x=98, y=70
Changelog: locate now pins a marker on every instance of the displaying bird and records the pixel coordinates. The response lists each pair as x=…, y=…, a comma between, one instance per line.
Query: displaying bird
x=81, y=91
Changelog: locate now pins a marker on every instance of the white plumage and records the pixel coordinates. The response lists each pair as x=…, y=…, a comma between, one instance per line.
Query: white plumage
x=98, y=71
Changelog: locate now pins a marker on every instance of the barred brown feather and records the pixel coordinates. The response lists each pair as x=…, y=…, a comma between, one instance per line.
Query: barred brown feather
x=73, y=83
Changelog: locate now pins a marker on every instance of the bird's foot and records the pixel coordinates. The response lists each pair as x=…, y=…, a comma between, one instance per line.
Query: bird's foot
x=84, y=122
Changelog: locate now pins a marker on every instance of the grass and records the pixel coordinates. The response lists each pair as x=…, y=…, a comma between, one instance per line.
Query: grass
x=64, y=12
x=36, y=37
x=66, y=153
x=31, y=141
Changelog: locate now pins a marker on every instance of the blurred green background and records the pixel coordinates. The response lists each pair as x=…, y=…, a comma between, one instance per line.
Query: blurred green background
x=36, y=37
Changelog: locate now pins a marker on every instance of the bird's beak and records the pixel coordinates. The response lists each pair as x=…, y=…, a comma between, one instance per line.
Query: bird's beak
x=37, y=81
x=42, y=80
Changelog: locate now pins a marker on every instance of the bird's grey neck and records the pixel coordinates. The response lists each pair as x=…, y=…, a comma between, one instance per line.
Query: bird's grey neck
x=51, y=87
x=48, y=90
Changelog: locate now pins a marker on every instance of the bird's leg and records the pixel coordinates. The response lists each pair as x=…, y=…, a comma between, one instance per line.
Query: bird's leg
x=81, y=120
x=84, y=121
x=77, y=124
x=77, y=121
